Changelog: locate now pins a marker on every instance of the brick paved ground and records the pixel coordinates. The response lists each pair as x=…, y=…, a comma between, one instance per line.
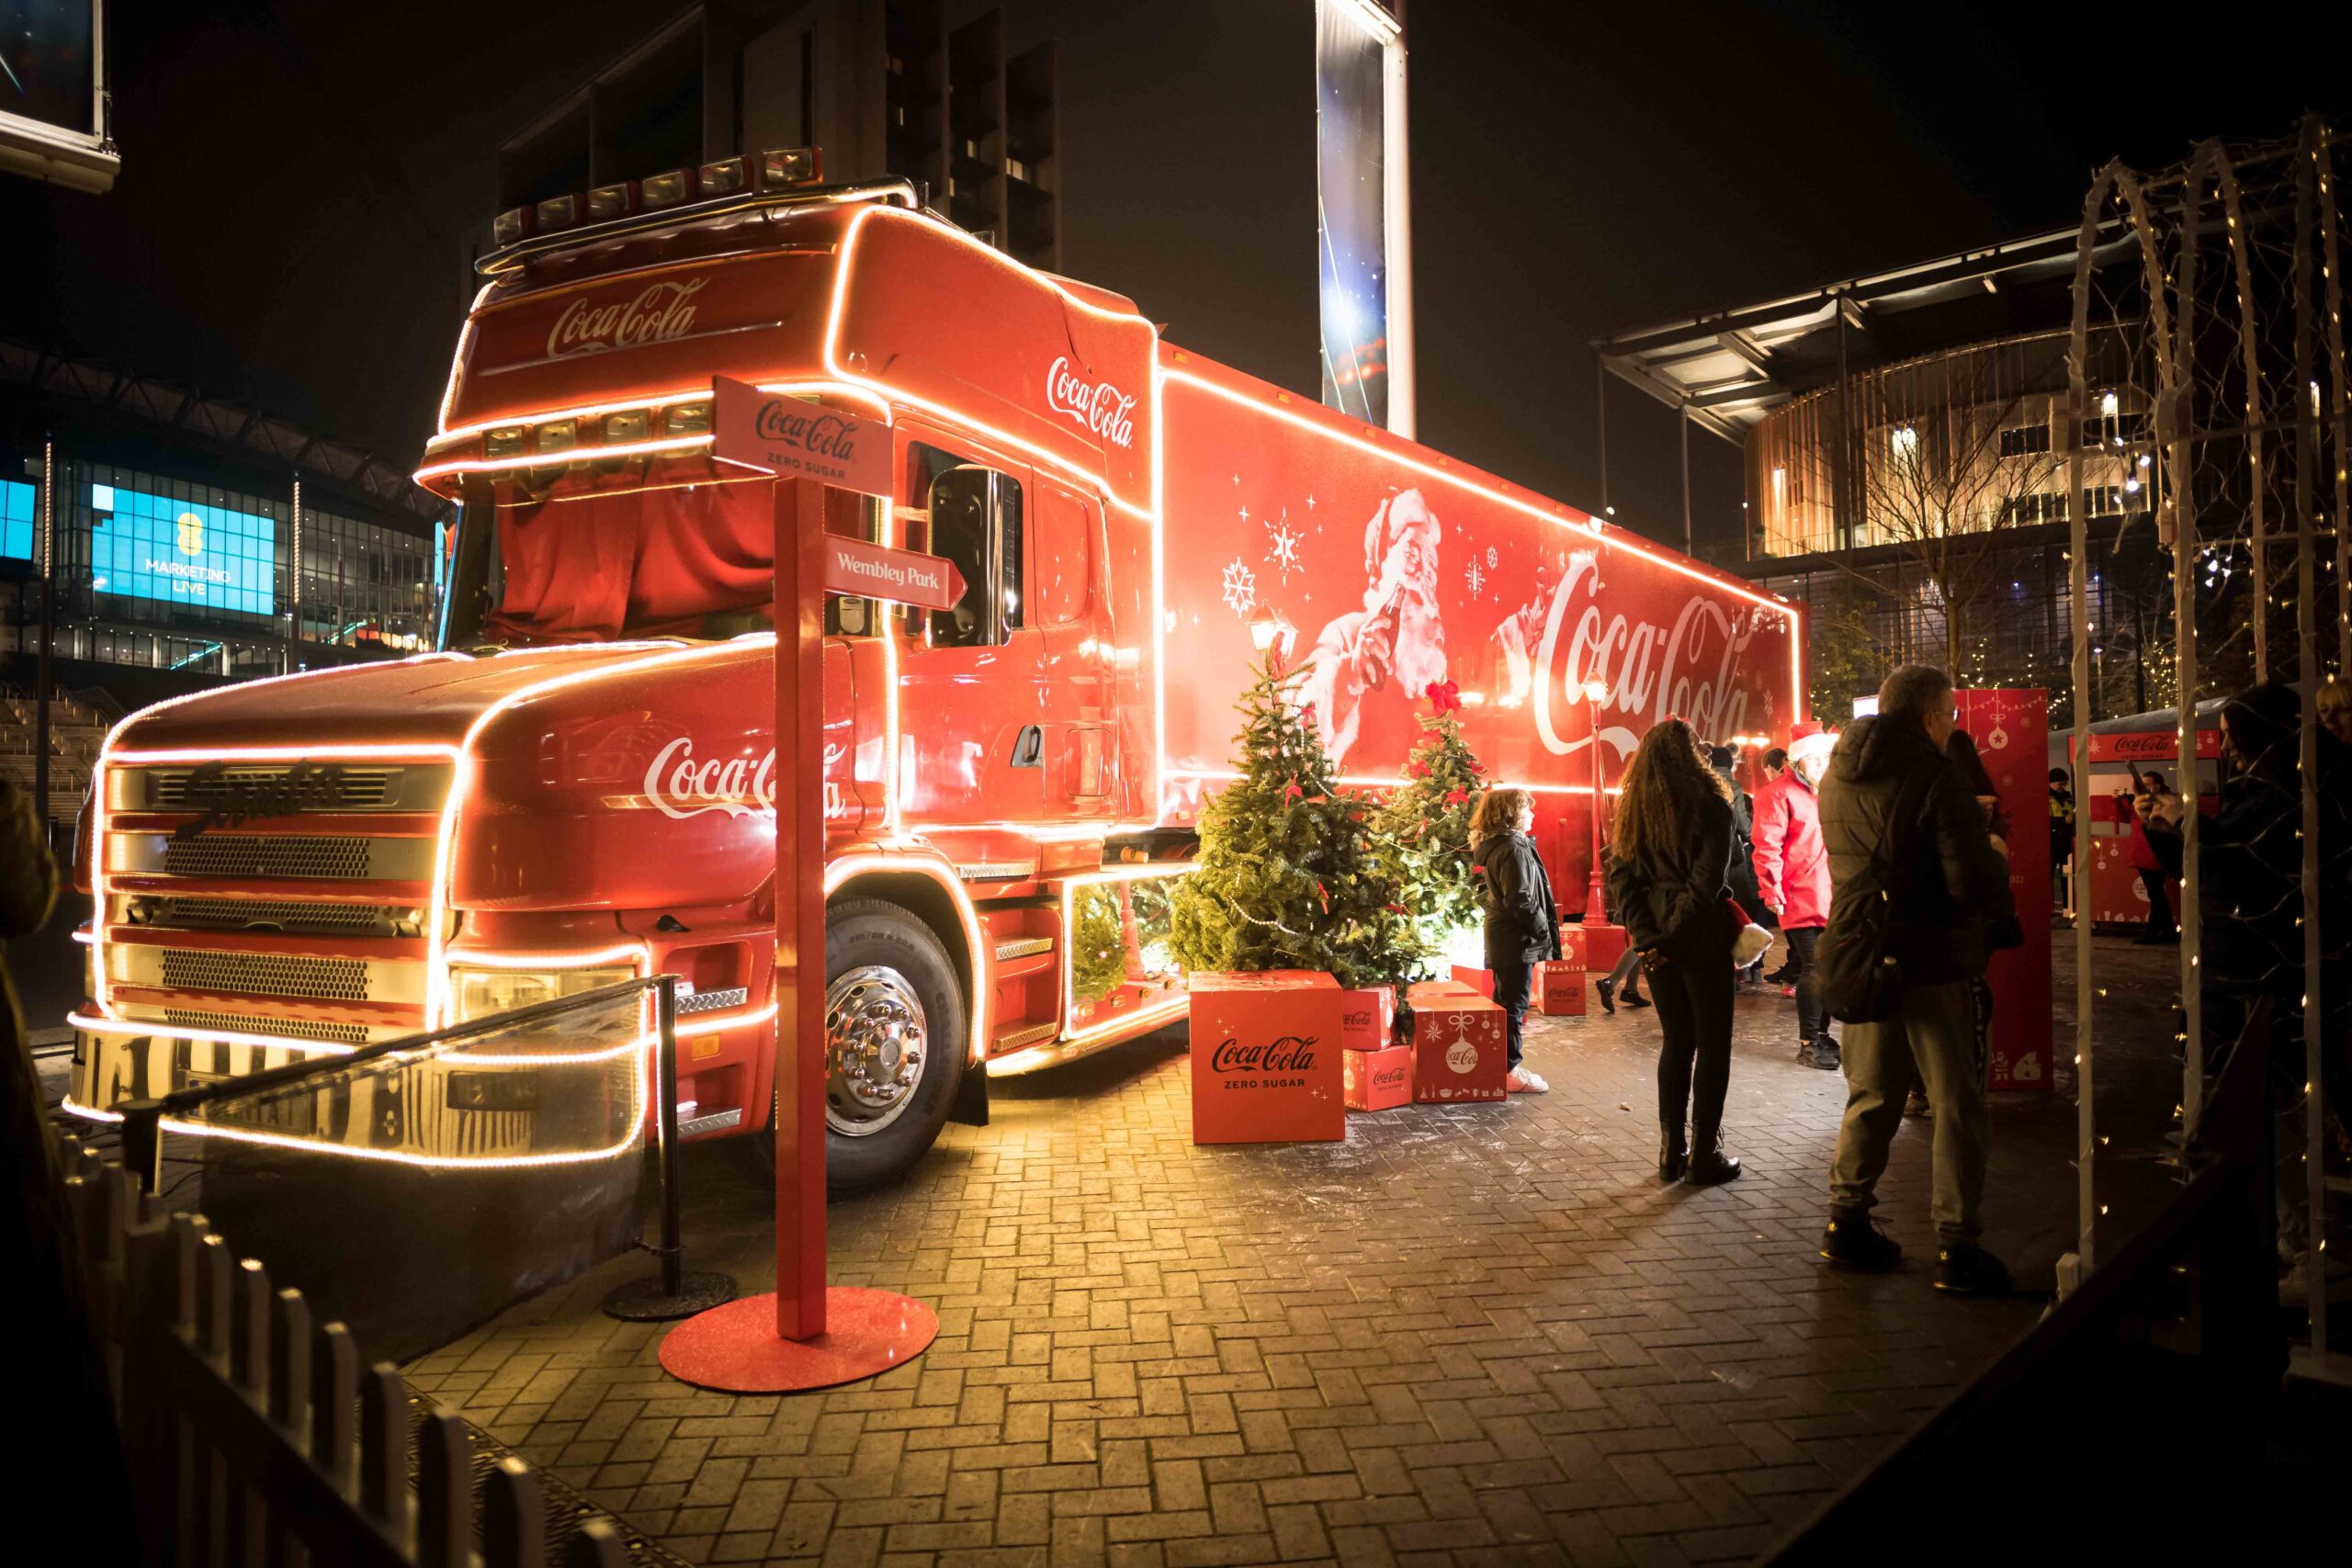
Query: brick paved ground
x=1465, y=1334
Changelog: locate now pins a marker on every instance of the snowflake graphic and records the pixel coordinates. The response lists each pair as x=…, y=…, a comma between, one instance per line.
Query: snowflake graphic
x=1493, y=560
x=1476, y=578
x=1282, y=547
x=1240, y=588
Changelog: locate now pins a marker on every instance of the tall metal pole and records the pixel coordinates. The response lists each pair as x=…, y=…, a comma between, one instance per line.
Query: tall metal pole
x=1684, y=415
x=665, y=1020
x=1843, y=492
x=1396, y=228
x=2331, y=265
x=43, y=676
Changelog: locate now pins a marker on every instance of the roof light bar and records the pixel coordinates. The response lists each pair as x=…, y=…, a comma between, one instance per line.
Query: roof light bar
x=668, y=189
x=783, y=166
x=511, y=225
x=612, y=201
x=557, y=212
x=721, y=176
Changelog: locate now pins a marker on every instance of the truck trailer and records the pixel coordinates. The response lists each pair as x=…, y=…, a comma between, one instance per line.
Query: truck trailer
x=578, y=785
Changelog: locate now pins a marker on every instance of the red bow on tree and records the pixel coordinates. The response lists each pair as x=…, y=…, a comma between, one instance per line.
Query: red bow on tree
x=1291, y=791
x=1445, y=696
x=1456, y=796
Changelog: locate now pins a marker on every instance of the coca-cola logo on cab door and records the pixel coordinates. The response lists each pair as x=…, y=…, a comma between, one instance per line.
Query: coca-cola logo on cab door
x=1097, y=407
x=1287, y=1053
x=656, y=314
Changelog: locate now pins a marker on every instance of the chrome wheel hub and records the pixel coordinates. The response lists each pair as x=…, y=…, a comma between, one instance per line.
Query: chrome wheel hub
x=875, y=1044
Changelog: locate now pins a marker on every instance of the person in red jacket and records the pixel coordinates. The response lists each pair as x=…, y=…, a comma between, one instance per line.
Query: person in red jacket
x=1792, y=873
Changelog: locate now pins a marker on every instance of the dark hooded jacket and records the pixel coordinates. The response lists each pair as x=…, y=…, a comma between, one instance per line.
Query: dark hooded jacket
x=1673, y=900
x=1522, y=921
x=1745, y=889
x=1950, y=885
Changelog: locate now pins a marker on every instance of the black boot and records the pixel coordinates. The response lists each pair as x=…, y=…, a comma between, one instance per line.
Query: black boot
x=1607, y=994
x=1673, y=1151
x=1709, y=1164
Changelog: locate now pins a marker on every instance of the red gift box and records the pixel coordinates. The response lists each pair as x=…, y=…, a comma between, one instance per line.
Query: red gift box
x=1479, y=980
x=1559, y=989
x=1421, y=993
x=1266, y=1054
x=1459, y=1050
x=1369, y=1021
x=1592, y=946
x=1378, y=1081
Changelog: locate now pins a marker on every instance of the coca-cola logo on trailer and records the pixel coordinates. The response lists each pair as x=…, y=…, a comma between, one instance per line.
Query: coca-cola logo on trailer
x=1097, y=407
x=656, y=314
x=1652, y=671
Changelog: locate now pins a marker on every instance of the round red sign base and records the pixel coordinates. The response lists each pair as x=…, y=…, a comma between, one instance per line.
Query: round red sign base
x=734, y=1349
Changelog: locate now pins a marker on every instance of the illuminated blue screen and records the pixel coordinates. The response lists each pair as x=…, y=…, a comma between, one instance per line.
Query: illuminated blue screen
x=182, y=552
x=16, y=519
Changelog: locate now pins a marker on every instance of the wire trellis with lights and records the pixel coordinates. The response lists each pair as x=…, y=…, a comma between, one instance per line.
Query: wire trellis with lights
x=2219, y=283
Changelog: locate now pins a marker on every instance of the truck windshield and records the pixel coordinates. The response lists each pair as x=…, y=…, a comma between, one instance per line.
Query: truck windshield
x=576, y=562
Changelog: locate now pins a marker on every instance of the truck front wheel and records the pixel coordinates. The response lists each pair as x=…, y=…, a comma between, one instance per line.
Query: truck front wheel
x=897, y=1038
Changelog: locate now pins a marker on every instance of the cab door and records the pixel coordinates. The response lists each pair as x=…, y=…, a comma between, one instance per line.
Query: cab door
x=1076, y=692
x=972, y=742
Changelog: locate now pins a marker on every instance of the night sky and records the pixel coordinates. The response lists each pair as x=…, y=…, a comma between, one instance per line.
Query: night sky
x=297, y=181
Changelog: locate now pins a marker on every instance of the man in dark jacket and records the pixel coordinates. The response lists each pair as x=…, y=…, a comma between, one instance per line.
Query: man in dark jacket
x=1948, y=887
x=1745, y=890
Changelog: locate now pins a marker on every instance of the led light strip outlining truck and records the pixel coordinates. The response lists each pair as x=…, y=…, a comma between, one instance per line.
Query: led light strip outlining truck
x=580, y=786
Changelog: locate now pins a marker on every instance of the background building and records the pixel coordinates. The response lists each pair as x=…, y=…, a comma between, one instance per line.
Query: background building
x=181, y=541
x=917, y=89
x=1906, y=448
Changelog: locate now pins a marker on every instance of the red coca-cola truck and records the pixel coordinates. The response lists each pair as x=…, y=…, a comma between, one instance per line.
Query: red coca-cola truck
x=579, y=785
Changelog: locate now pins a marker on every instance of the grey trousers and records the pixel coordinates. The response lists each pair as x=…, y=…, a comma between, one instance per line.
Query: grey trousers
x=1931, y=1039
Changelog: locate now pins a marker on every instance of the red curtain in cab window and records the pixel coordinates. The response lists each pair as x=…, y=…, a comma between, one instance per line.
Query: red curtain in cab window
x=597, y=566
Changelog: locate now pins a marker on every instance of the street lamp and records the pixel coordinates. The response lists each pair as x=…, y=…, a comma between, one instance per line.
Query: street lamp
x=1596, y=896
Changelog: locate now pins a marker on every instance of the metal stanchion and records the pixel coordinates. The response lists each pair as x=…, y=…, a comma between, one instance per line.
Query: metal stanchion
x=673, y=1293
x=142, y=1142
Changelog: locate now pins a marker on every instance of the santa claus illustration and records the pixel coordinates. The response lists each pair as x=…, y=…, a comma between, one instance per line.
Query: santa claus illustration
x=1396, y=634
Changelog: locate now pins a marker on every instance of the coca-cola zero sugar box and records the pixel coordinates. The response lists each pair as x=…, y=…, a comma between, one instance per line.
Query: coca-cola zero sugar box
x=1378, y=1081
x=1369, y=1021
x=1459, y=1050
x=1266, y=1050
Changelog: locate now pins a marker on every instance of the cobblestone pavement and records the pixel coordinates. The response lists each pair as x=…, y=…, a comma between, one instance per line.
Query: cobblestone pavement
x=1472, y=1334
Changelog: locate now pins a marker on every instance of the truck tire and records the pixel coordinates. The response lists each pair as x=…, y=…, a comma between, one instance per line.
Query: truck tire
x=897, y=1039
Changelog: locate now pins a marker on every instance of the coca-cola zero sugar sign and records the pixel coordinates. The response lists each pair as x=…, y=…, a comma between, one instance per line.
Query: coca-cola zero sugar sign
x=794, y=439
x=1265, y=1058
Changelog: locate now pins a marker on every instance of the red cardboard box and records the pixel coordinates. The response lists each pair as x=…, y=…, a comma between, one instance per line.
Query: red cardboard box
x=1266, y=1057
x=1459, y=1050
x=1369, y=1021
x=1592, y=946
x=1378, y=1081
x=1479, y=980
x=1559, y=990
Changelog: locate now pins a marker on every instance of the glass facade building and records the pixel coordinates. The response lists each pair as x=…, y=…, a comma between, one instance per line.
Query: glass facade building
x=170, y=573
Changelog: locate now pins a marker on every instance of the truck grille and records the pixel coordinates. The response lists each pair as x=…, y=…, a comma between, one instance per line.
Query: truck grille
x=267, y=974
x=291, y=915
x=239, y=854
x=362, y=789
x=255, y=1023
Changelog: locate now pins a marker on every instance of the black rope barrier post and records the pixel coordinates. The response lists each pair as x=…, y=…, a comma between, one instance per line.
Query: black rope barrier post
x=142, y=1142
x=672, y=1293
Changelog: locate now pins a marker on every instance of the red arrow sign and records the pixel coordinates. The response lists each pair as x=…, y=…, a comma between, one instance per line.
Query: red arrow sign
x=902, y=577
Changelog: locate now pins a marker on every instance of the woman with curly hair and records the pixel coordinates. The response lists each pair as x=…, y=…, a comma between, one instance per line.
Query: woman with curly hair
x=1667, y=881
x=1523, y=926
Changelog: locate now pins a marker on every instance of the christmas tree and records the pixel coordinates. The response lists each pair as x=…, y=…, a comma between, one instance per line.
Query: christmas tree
x=1424, y=829
x=1289, y=873
x=1098, y=949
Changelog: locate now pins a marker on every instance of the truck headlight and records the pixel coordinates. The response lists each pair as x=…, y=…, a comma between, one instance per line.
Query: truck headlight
x=482, y=992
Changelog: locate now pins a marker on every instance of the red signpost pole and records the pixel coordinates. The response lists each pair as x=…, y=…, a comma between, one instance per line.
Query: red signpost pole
x=807, y=1336
x=800, y=912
